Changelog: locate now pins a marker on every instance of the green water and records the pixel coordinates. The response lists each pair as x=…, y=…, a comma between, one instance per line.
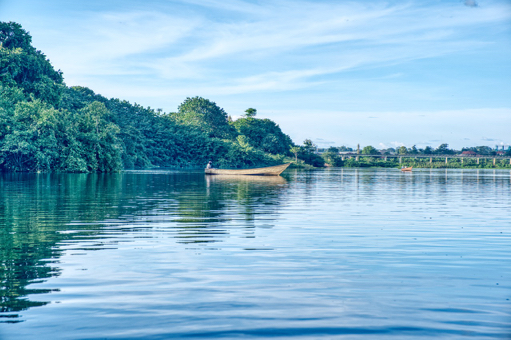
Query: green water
x=340, y=253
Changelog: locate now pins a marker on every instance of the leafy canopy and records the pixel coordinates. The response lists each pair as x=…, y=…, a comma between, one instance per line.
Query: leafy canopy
x=206, y=115
x=47, y=126
x=264, y=134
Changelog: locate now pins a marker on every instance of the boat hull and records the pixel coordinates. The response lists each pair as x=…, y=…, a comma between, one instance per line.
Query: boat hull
x=407, y=169
x=267, y=171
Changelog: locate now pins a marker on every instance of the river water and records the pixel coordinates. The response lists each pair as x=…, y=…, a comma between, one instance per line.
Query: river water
x=327, y=254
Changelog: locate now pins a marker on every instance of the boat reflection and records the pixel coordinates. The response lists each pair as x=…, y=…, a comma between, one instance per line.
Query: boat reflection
x=272, y=180
x=230, y=204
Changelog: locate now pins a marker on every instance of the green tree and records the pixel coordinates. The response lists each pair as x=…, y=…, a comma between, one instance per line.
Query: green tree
x=250, y=113
x=369, y=150
x=443, y=149
x=46, y=126
x=428, y=150
x=308, y=155
x=295, y=150
x=402, y=150
x=208, y=116
x=22, y=66
x=309, y=146
x=13, y=36
x=332, y=157
x=31, y=144
x=264, y=134
x=101, y=147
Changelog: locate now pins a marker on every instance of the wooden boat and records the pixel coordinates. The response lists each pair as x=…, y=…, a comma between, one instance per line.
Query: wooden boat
x=267, y=171
x=407, y=169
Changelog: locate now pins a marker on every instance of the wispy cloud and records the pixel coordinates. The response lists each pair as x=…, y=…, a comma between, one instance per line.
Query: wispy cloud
x=278, y=38
x=110, y=43
x=320, y=67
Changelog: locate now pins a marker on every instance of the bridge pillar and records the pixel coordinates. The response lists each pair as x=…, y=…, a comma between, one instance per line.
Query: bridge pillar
x=494, y=161
x=400, y=160
x=462, y=161
x=477, y=160
x=357, y=158
x=445, y=160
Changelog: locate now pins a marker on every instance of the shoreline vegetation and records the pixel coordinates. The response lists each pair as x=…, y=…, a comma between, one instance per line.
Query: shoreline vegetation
x=46, y=126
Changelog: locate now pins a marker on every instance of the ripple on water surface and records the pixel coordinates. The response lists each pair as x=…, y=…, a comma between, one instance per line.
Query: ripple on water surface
x=340, y=253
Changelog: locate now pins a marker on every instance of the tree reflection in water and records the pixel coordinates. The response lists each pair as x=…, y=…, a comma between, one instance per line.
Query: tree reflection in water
x=44, y=215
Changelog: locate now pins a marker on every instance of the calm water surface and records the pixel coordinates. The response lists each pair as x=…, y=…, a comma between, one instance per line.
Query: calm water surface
x=331, y=254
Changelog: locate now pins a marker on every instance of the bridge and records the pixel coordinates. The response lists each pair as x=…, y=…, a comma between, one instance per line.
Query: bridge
x=431, y=157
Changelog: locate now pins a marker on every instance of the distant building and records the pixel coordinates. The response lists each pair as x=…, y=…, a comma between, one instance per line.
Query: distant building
x=468, y=153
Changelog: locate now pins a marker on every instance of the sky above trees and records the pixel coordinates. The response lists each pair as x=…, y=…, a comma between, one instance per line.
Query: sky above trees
x=376, y=73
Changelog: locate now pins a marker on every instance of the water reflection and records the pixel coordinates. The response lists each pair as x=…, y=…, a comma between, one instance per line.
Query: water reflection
x=205, y=214
x=34, y=212
x=42, y=215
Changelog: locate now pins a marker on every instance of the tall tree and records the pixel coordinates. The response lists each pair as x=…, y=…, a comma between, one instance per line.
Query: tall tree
x=31, y=143
x=12, y=36
x=250, y=112
x=308, y=154
x=264, y=134
x=295, y=150
x=332, y=157
x=21, y=65
x=101, y=146
x=208, y=116
x=369, y=150
x=443, y=149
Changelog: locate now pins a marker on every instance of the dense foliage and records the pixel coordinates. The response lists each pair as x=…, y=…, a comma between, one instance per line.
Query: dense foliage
x=47, y=126
x=206, y=115
x=332, y=157
x=263, y=133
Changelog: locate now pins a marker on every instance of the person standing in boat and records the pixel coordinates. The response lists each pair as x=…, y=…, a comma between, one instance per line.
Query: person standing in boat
x=210, y=165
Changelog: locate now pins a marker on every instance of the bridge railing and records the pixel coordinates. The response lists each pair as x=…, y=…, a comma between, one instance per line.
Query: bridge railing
x=431, y=157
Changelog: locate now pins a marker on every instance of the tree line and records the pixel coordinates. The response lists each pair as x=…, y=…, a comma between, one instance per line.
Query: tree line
x=365, y=157
x=48, y=126
x=442, y=149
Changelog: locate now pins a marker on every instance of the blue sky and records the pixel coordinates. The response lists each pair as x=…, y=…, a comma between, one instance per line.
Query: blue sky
x=340, y=73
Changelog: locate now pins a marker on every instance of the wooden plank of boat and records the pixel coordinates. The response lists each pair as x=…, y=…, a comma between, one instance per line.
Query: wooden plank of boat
x=267, y=171
x=407, y=169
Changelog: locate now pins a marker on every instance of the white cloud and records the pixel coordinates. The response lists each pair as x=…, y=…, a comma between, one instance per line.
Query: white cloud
x=322, y=67
x=108, y=43
x=329, y=36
